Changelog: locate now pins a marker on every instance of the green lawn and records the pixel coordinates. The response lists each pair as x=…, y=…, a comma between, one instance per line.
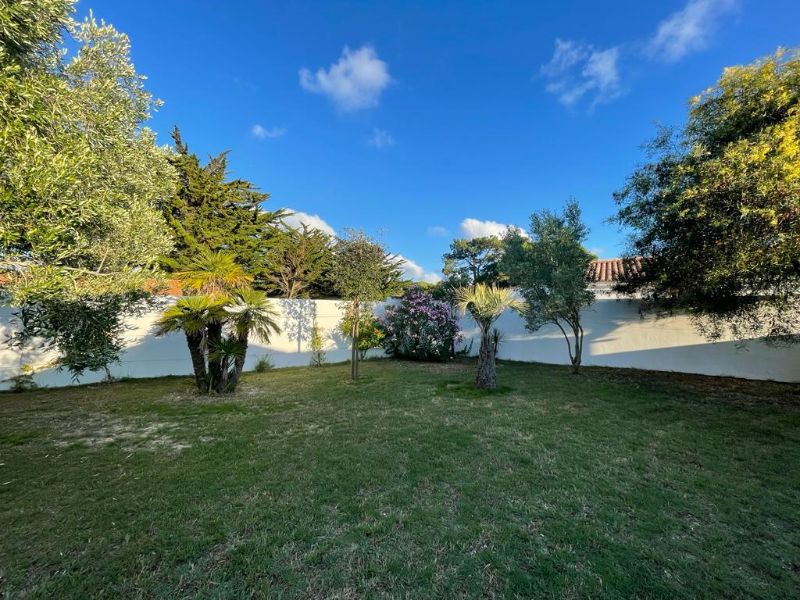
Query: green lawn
x=409, y=484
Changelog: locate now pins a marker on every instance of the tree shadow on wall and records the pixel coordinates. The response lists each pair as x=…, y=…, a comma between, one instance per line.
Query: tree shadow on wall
x=299, y=317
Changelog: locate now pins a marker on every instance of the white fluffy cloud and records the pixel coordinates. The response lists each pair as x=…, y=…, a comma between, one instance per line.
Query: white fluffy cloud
x=579, y=70
x=689, y=29
x=414, y=272
x=474, y=228
x=354, y=82
x=380, y=139
x=298, y=218
x=260, y=132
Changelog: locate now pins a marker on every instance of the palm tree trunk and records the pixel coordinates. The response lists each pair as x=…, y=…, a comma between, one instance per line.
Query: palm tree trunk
x=195, y=343
x=215, y=367
x=487, y=370
x=238, y=364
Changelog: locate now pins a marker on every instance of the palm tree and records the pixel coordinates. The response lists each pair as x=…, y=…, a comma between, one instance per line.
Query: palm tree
x=251, y=314
x=192, y=315
x=213, y=273
x=486, y=303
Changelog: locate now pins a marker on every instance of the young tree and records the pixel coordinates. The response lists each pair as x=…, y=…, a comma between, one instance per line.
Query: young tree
x=485, y=304
x=715, y=213
x=550, y=272
x=298, y=258
x=474, y=261
x=362, y=272
x=82, y=178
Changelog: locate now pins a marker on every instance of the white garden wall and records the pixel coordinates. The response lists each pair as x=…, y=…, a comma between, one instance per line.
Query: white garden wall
x=616, y=336
x=150, y=356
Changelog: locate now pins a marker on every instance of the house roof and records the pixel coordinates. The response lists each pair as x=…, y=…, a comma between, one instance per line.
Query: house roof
x=611, y=270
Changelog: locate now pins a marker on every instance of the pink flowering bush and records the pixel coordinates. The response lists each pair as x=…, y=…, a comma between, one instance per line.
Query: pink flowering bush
x=420, y=327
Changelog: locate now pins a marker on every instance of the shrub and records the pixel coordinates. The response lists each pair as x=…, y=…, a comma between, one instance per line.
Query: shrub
x=23, y=381
x=370, y=331
x=263, y=364
x=318, y=357
x=420, y=327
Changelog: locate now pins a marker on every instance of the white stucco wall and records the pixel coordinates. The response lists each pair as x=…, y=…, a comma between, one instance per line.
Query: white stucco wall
x=149, y=356
x=616, y=336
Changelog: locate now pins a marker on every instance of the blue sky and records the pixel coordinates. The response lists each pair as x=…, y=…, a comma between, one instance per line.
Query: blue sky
x=423, y=121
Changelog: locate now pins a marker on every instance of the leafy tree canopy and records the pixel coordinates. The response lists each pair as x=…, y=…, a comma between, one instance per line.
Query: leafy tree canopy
x=716, y=212
x=469, y=262
x=210, y=212
x=298, y=259
x=362, y=272
x=81, y=181
x=81, y=176
x=549, y=270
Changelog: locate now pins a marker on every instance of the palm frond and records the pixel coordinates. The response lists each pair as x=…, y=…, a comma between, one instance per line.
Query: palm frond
x=213, y=274
x=487, y=302
x=190, y=314
x=252, y=313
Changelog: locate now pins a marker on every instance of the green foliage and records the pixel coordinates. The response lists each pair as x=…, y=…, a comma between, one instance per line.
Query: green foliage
x=362, y=272
x=370, y=332
x=549, y=270
x=80, y=183
x=317, y=344
x=218, y=329
x=485, y=303
x=87, y=332
x=715, y=211
x=211, y=273
x=297, y=260
x=474, y=261
x=81, y=176
x=208, y=212
x=23, y=381
x=263, y=364
x=30, y=30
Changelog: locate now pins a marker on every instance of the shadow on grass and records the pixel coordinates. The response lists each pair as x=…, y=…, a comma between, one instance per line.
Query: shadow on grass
x=467, y=389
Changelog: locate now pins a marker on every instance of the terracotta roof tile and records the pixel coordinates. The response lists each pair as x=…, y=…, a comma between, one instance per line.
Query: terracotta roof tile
x=610, y=270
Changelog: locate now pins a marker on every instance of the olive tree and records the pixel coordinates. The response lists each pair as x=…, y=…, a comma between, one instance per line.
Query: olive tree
x=362, y=272
x=549, y=270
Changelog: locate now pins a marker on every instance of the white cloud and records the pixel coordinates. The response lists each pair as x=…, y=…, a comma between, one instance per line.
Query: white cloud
x=260, y=132
x=474, y=228
x=356, y=81
x=438, y=231
x=579, y=70
x=689, y=29
x=298, y=218
x=381, y=138
x=414, y=272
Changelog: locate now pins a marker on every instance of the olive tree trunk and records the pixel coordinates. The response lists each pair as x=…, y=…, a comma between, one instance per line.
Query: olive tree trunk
x=487, y=370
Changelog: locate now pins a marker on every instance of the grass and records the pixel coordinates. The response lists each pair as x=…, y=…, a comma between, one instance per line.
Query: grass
x=614, y=484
